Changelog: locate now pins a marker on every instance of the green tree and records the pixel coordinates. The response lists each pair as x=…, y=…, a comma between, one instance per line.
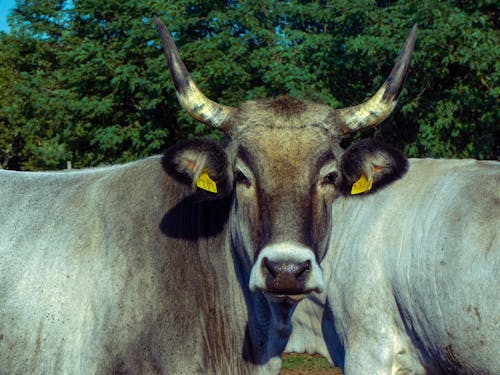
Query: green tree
x=93, y=92
x=85, y=80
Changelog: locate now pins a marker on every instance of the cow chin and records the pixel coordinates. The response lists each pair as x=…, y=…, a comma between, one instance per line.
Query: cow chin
x=285, y=298
x=286, y=271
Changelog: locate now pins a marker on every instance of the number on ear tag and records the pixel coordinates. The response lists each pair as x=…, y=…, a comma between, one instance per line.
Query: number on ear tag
x=362, y=185
x=206, y=183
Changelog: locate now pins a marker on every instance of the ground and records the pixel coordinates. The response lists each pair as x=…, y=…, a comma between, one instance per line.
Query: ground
x=305, y=364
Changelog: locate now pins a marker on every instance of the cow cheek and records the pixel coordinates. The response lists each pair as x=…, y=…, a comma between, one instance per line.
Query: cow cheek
x=321, y=204
x=248, y=217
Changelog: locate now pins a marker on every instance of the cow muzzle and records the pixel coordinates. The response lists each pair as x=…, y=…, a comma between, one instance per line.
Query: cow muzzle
x=286, y=271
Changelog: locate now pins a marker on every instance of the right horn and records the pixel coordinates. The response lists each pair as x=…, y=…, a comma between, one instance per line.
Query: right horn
x=379, y=106
x=189, y=95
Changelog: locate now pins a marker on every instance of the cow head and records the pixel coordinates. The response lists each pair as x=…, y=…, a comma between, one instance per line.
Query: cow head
x=284, y=167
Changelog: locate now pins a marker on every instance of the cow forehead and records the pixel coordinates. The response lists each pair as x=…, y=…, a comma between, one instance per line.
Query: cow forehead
x=285, y=147
x=283, y=113
x=283, y=158
x=283, y=138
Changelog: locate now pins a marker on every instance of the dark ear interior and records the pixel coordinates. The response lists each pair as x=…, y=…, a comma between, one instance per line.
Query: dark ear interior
x=378, y=163
x=187, y=160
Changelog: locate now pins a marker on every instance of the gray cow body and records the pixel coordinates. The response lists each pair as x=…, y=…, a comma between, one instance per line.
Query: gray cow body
x=91, y=284
x=412, y=276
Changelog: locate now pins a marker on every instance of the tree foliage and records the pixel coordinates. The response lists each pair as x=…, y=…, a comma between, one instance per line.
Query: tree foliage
x=85, y=80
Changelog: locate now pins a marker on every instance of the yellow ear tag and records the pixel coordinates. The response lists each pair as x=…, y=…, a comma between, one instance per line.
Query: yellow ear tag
x=362, y=185
x=206, y=183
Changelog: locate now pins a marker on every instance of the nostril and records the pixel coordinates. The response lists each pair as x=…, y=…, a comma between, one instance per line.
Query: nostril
x=286, y=276
x=303, y=269
x=273, y=268
x=294, y=270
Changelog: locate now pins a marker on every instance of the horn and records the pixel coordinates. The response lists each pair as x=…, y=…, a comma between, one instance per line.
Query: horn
x=379, y=106
x=189, y=95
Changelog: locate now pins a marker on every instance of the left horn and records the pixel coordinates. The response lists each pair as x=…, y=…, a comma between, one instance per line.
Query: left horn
x=189, y=95
x=379, y=106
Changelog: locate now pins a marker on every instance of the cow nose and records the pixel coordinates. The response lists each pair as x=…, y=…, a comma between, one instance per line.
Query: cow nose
x=286, y=269
x=286, y=277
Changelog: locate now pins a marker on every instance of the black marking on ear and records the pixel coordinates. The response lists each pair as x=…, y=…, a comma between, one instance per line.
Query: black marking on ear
x=170, y=165
x=386, y=162
x=215, y=163
x=398, y=169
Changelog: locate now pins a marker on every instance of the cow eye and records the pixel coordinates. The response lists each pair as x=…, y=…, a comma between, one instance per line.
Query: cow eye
x=330, y=179
x=240, y=178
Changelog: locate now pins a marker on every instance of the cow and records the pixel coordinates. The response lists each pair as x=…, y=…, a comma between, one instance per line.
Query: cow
x=412, y=276
x=190, y=262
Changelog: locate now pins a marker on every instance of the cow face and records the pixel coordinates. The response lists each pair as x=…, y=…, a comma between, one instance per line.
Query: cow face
x=284, y=175
x=284, y=178
x=284, y=167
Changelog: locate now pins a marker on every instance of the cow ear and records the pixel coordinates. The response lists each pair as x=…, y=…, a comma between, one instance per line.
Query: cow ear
x=200, y=163
x=368, y=166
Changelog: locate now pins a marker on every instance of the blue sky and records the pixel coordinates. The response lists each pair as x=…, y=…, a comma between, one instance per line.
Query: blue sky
x=5, y=7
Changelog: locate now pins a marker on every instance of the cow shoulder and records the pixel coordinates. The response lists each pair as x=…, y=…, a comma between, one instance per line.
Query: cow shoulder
x=371, y=165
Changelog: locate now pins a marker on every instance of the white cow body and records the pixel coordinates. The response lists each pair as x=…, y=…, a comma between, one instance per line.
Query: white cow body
x=412, y=275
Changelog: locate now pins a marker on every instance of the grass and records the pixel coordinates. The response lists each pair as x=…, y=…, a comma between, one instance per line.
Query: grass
x=306, y=364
